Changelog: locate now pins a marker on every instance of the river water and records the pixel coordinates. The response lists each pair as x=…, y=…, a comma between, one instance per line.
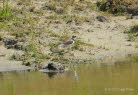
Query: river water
x=109, y=76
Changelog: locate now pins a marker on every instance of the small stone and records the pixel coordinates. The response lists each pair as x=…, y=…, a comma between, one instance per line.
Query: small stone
x=13, y=43
x=54, y=66
x=19, y=46
x=129, y=45
x=102, y=19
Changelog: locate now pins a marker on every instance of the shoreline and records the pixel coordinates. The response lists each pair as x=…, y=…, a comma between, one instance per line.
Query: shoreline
x=25, y=68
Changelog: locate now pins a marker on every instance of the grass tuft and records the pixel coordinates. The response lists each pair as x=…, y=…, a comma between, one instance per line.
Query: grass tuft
x=5, y=13
x=132, y=33
x=79, y=43
x=136, y=46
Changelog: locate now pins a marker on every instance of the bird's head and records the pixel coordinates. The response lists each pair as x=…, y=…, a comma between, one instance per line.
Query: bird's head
x=73, y=38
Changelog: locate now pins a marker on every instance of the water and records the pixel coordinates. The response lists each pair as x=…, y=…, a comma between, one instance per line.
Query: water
x=110, y=76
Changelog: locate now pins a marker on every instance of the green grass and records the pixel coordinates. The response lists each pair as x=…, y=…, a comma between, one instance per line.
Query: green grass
x=134, y=30
x=5, y=13
x=79, y=43
x=69, y=18
x=2, y=24
x=132, y=33
x=53, y=34
x=136, y=46
x=65, y=36
x=76, y=18
x=33, y=51
x=62, y=37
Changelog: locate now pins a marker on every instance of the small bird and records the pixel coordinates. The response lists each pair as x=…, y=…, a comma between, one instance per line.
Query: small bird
x=70, y=42
x=61, y=48
x=102, y=19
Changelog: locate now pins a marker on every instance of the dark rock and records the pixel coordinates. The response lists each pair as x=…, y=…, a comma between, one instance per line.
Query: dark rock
x=13, y=43
x=17, y=57
x=54, y=66
x=98, y=4
x=29, y=62
x=9, y=40
x=129, y=40
x=102, y=19
x=19, y=46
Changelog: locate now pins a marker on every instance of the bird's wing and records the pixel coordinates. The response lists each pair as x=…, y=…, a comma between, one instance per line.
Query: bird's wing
x=68, y=42
x=55, y=50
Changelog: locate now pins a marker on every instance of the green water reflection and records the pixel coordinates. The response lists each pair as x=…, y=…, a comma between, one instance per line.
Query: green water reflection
x=107, y=77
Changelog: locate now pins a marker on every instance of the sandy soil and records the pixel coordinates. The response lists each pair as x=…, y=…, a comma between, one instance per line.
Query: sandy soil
x=10, y=65
x=108, y=38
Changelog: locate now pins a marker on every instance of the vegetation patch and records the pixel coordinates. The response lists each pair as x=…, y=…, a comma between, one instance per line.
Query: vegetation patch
x=79, y=43
x=77, y=19
x=118, y=7
x=32, y=51
x=58, y=7
x=70, y=18
x=5, y=12
x=133, y=32
x=136, y=46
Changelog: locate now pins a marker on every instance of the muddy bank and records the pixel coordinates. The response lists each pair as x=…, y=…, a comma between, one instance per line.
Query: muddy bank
x=57, y=67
